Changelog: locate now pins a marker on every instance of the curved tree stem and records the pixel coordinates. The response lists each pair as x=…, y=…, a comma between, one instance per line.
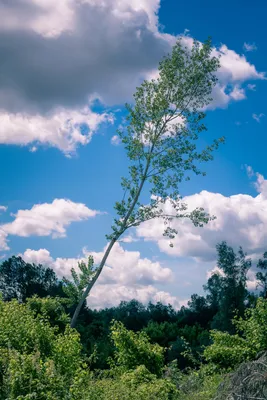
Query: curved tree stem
x=111, y=244
x=91, y=284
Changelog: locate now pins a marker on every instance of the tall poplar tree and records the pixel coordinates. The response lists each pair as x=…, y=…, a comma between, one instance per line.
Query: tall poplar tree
x=163, y=126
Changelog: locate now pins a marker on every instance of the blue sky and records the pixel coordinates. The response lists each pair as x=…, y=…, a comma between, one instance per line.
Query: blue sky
x=74, y=67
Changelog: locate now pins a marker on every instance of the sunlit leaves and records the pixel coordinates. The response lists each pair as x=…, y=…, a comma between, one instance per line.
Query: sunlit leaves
x=135, y=349
x=74, y=289
x=161, y=134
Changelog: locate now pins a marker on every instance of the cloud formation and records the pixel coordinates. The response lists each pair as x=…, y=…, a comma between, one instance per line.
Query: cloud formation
x=126, y=276
x=64, y=129
x=47, y=219
x=234, y=71
x=240, y=220
x=115, y=140
x=58, y=56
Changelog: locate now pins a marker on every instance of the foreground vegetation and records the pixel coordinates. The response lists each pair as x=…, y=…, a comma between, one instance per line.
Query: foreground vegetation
x=130, y=351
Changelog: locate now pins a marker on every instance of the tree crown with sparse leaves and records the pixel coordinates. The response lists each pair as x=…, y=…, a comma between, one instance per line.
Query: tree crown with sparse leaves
x=160, y=138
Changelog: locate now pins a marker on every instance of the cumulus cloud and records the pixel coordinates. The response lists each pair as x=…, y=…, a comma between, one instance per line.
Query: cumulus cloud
x=41, y=256
x=108, y=296
x=64, y=129
x=122, y=267
x=252, y=282
x=47, y=219
x=57, y=56
x=127, y=267
x=126, y=275
x=60, y=54
x=241, y=221
x=234, y=70
x=235, y=67
x=3, y=209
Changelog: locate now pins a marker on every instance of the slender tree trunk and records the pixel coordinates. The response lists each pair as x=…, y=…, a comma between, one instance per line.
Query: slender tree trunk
x=91, y=284
x=111, y=244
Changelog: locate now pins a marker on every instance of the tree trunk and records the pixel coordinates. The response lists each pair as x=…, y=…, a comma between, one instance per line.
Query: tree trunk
x=91, y=284
x=111, y=244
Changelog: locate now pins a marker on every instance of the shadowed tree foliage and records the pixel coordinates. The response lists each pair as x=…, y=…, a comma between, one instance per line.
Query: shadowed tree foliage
x=20, y=280
x=262, y=275
x=227, y=291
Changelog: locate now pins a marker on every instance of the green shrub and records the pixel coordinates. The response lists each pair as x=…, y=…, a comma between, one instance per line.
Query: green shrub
x=36, y=362
x=138, y=384
x=193, y=384
x=135, y=349
x=228, y=351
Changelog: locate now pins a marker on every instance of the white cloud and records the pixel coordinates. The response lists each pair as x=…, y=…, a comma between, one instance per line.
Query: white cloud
x=115, y=140
x=251, y=277
x=107, y=296
x=127, y=267
x=45, y=17
x=70, y=57
x=235, y=67
x=261, y=185
x=184, y=303
x=252, y=281
x=249, y=171
x=249, y=46
x=234, y=70
x=3, y=209
x=69, y=54
x=123, y=267
x=238, y=93
x=61, y=129
x=3, y=240
x=126, y=276
x=215, y=270
x=258, y=117
x=62, y=266
x=48, y=219
x=50, y=19
x=41, y=256
x=241, y=221
x=129, y=239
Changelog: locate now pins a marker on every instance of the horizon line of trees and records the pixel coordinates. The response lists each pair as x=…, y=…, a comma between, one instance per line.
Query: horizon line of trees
x=132, y=351
x=226, y=295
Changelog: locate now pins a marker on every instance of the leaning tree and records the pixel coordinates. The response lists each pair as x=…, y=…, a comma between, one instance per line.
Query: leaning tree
x=161, y=141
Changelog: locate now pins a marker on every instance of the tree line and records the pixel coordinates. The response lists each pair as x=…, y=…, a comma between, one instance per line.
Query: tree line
x=226, y=296
x=130, y=351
